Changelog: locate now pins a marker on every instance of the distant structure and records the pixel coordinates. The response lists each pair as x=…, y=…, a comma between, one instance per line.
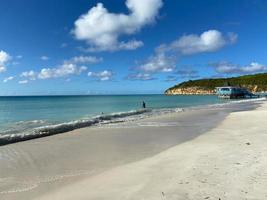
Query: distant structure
x=232, y=92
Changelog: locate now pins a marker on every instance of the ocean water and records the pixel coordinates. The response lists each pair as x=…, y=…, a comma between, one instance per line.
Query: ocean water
x=54, y=114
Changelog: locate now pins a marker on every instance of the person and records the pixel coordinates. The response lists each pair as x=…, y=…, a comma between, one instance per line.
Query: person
x=144, y=104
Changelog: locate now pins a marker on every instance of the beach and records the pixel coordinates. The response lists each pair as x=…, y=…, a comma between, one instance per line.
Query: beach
x=133, y=100
x=215, y=153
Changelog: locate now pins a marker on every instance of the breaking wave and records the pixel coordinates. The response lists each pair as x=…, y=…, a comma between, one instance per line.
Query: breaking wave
x=48, y=130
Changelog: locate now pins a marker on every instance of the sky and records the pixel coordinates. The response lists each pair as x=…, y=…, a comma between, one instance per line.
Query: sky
x=74, y=47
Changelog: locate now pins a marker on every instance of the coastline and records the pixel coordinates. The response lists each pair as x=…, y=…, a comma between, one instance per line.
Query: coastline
x=228, y=162
x=49, y=130
x=10, y=136
x=35, y=168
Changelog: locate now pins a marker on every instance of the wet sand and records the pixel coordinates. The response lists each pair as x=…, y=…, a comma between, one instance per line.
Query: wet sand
x=82, y=163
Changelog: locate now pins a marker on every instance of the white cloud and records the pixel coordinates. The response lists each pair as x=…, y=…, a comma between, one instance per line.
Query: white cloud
x=208, y=41
x=44, y=58
x=102, y=29
x=4, y=58
x=230, y=68
x=29, y=74
x=8, y=79
x=166, y=55
x=158, y=63
x=23, y=82
x=73, y=66
x=254, y=67
x=130, y=45
x=19, y=56
x=2, y=68
x=62, y=71
x=84, y=60
x=102, y=76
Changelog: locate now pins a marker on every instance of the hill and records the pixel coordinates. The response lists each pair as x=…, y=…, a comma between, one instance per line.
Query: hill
x=254, y=83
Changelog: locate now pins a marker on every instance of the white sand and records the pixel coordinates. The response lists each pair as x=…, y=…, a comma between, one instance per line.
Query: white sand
x=228, y=162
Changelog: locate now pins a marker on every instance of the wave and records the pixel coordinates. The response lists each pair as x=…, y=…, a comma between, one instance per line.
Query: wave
x=8, y=137
x=65, y=127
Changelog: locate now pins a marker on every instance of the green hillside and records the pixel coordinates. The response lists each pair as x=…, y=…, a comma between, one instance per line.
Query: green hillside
x=255, y=83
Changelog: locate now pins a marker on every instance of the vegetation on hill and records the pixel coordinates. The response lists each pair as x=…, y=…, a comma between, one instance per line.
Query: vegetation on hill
x=256, y=82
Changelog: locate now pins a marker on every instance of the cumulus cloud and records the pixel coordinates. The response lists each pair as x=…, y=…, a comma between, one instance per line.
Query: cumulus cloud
x=72, y=66
x=29, y=74
x=62, y=71
x=44, y=58
x=208, y=41
x=4, y=58
x=105, y=75
x=230, y=68
x=8, y=79
x=166, y=55
x=23, y=82
x=102, y=29
x=159, y=63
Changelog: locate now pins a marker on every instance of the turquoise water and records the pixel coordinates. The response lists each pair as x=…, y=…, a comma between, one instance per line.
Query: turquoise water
x=21, y=113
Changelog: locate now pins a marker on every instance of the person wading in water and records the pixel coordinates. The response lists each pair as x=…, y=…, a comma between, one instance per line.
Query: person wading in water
x=144, y=104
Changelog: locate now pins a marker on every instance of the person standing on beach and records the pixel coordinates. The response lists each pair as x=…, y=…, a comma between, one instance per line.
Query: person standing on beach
x=144, y=104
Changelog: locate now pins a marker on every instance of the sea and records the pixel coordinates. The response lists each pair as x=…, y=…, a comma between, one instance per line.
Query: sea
x=27, y=117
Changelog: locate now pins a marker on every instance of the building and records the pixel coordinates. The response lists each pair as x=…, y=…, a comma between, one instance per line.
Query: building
x=231, y=92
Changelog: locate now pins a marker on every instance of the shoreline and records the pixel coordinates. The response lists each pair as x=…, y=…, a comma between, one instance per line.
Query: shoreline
x=228, y=162
x=50, y=130
x=65, y=159
x=60, y=128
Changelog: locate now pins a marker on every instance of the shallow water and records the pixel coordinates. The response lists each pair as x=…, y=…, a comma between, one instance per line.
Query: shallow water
x=27, y=112
x=23, y=118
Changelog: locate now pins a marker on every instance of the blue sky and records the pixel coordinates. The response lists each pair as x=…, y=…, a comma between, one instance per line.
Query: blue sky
x=126, y=46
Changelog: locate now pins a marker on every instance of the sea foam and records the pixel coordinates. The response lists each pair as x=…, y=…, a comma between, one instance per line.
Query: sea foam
x=65, y=127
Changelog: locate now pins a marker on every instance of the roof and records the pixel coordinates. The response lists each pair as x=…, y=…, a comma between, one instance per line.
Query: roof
x=228, y=87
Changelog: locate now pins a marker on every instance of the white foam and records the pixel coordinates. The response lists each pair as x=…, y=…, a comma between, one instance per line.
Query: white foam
x=64, y=127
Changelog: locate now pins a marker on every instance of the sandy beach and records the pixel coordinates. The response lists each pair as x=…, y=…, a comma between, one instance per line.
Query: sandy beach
x=133, y=100
x=216, y=153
